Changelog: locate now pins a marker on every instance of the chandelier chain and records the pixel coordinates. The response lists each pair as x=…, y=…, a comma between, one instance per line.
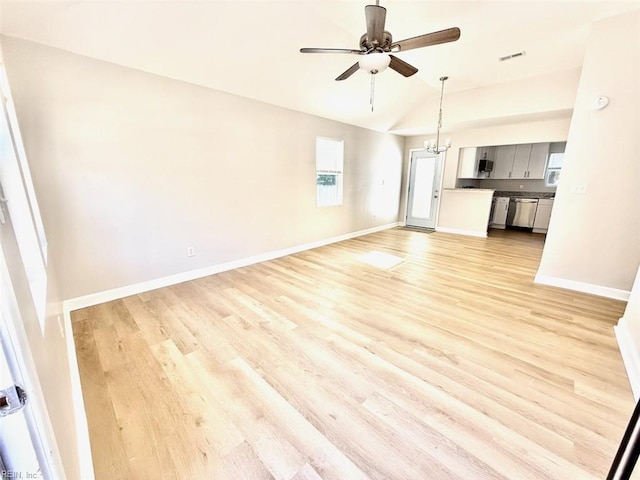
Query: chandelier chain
x=436, y=148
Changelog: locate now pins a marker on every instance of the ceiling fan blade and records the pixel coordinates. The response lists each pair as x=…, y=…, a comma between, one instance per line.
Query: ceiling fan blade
x=330, y=50
x=402, y=67
x=434, y=38
x=350, y=71
x=376, y=16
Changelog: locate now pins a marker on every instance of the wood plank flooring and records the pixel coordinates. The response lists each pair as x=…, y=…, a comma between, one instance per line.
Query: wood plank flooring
x=452, y=365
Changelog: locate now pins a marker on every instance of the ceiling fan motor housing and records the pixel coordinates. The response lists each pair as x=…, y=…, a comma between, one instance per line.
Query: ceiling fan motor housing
x=367, y=45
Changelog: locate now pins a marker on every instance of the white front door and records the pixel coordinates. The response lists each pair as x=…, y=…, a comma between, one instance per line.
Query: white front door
x=425, y=178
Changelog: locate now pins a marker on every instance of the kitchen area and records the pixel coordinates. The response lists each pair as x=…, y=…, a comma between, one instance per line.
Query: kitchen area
x=522, y=177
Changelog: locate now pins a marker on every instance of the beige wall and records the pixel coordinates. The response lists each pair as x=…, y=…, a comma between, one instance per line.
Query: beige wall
x=133, y=168
x=594, y=238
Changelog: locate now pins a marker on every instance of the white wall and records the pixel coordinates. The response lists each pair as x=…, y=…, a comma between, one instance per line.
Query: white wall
x=505, y=103
x=132, y=168
x=594, y=237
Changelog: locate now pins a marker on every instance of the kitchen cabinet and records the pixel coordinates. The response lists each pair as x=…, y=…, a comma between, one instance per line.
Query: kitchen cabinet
x=530, y=161
x=521, y=161
x=503, y=161
x=468, y=161
x=538, y=160
x=501, y=207
x=543, y=215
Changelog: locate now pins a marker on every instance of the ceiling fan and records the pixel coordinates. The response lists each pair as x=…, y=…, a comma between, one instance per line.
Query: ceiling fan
x=377, y=46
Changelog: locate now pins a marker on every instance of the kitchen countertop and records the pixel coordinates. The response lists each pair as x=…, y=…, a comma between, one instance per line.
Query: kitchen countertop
x=472, y=190
x=519, y=193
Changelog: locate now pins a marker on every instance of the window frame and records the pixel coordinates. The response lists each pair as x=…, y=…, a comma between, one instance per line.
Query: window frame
x=329, y=163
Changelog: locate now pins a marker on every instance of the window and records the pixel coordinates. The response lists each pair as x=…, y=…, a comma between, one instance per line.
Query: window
x=553, y=169
x=329, y=165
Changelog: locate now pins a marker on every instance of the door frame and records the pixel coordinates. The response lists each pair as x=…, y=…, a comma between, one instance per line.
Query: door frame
x=13, y=306
x=442, y=160
x=24, y=372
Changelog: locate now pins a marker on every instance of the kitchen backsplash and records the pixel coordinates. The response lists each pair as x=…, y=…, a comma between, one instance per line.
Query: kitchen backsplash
x=506, y=185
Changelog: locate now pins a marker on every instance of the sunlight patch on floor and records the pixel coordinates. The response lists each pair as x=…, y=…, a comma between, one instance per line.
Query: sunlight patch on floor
x=384, y=261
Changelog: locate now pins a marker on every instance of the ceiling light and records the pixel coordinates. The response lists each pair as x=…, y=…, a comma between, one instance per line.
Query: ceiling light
x=375, y=62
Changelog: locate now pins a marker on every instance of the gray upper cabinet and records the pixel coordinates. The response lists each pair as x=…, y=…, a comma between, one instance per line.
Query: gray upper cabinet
x=503, y=161
x=538, y=160
x=524, y=161
x=521, y=161
x=530, y=161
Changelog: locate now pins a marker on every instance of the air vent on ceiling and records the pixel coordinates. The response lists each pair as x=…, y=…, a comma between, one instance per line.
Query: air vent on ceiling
x=513, y=55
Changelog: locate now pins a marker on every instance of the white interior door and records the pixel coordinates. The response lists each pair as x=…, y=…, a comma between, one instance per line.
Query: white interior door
x=27, y=443
x=18, y=457
x=425, y=179
x=25, y=449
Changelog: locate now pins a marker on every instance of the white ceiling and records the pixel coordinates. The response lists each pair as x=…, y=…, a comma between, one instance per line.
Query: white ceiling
x=251, y=48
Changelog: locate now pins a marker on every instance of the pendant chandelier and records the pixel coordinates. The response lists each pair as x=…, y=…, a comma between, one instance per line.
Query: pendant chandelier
x=432, y=146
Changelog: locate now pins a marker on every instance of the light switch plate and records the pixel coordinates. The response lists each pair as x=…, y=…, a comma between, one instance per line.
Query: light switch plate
x=579, y=189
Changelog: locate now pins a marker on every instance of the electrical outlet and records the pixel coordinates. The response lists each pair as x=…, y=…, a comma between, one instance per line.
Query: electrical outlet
x=521, y=187
x=191, y=251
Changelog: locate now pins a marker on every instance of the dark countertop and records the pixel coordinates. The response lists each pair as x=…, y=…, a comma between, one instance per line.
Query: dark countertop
x=520, y=193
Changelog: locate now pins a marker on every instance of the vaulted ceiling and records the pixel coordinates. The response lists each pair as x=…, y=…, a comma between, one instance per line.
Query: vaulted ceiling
x=251, y=48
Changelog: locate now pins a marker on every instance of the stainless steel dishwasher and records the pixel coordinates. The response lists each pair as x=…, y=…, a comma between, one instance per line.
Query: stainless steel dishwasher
x=522, y=212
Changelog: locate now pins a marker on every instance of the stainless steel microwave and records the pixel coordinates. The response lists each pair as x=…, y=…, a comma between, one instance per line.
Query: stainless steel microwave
x=485, y=165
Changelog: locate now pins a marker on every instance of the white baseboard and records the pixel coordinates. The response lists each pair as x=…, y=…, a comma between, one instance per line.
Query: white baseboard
x=82, y=429
x=583, y=287
x=458, y=231
x=630, y=355
x=120, y=292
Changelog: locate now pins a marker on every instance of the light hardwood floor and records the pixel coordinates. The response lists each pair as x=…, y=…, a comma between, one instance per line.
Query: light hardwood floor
x=453, y=365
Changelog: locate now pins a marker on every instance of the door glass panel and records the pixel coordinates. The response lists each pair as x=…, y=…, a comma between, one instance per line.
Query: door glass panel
x=423, y=187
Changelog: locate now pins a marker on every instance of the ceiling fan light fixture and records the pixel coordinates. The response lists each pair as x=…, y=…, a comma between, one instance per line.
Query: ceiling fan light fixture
x=374, y=62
